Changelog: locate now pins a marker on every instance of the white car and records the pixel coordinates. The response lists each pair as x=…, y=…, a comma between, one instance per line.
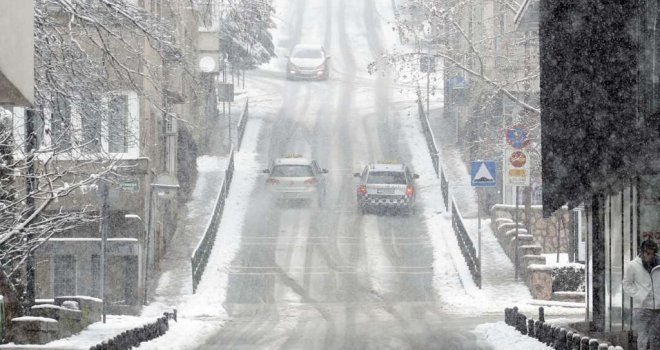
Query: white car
x=295, y=178
x=386, y=186
x=308, y=62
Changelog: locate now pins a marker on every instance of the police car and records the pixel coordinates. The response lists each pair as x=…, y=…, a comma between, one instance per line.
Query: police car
x=293, y=177
x=386, y=186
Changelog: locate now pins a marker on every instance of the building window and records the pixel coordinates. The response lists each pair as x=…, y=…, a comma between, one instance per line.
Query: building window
x=64, y=275
x=117, y=124
x=60, y=124
x=120, y=130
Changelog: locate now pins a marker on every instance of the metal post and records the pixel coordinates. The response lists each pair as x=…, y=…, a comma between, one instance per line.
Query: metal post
x=479, y=231
x=229, y=122
x=517, y=243
x=428, y=75
x=104, y=237
x=147, y=242
x=31, y=188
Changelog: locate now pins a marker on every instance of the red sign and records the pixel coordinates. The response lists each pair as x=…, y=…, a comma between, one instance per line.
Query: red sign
x=518, y=159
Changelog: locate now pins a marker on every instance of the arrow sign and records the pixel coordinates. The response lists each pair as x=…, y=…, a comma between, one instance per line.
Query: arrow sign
x=483, y=173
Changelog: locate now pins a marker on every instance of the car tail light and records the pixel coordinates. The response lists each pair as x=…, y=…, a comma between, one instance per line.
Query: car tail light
x=362, y=189
x=410, y=190
x=272, y=181
x=312, y=181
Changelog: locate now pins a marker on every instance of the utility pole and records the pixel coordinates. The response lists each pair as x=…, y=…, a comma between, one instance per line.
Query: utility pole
x=104, y=236
x=31, y=187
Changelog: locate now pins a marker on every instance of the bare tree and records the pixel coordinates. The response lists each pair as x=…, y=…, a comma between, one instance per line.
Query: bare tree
x=87, y=53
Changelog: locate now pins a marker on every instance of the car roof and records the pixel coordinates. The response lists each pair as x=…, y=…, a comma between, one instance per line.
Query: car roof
x=308, y=47
x=383, y=166
x=292, y=159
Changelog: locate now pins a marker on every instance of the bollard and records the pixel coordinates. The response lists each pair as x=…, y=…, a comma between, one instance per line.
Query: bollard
x=541, y=314
x=522, y=324
x=175, y=319
x=569, y=340
x=593, y=344
x=584, y=343
x=577, y=342
x=601, y=346
x=561, y=340
x=530, y=328
x=538, y=330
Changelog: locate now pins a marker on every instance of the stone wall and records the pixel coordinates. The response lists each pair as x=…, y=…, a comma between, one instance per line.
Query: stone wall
x=544, y=231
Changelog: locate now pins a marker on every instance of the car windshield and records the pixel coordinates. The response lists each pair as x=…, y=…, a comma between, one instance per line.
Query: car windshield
x=307, y=53
x=386, y=177
x=292, y=171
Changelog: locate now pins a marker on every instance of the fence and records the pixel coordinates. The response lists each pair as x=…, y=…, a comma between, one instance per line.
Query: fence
x=444, y=185
x=428, y=134
x=559, y=338
x=200, y=255
x=466, y=245
x=464, y=240
x=242, y=123
x=133, y=337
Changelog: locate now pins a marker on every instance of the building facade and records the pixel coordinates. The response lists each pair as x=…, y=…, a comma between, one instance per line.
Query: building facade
x=599, y=100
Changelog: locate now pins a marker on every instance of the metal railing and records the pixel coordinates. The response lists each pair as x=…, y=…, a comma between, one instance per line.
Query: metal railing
x=428, y=134
x=240, y=127
x=465, y=243
x=444, y=185
x=200, y=255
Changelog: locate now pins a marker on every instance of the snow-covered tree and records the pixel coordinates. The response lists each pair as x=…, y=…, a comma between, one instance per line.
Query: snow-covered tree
x=244, y=33
x=86, y=52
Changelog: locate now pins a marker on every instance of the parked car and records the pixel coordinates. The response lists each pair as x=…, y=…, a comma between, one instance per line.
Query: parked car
x=308, y=62
x=386, y=187
x=295, y=178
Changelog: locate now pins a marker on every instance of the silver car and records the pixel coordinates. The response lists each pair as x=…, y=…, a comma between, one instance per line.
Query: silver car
x=386, y=187
x=308, y=62
x=295, y=178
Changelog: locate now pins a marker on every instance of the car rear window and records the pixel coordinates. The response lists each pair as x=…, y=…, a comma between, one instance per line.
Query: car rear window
x=386, y=177
x=292, y=171
x=307, y=53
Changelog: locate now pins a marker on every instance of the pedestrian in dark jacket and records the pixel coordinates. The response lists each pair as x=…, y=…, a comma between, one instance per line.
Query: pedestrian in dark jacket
x=641, y=281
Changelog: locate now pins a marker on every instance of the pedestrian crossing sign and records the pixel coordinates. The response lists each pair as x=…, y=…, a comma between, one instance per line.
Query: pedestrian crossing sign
x=483, y=173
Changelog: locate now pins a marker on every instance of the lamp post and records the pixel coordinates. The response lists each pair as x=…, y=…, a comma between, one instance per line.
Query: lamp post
x=143, y=239
x=166, y=186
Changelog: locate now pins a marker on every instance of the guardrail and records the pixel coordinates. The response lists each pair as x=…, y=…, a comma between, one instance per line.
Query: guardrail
x=428, y=134
x=465, y=243
x=132, y=338
x=200, y=255
x=242, y=123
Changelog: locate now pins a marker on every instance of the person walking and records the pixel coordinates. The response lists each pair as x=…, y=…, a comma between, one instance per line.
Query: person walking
x=641, y=281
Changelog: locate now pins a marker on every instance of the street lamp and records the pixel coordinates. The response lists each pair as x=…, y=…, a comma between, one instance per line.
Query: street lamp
x=146, y=251
x=166, y=186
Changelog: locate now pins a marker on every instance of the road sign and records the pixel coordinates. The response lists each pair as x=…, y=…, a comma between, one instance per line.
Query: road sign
x=427, y=64
x=516, y=170
x=483, y=173
x=517, y=137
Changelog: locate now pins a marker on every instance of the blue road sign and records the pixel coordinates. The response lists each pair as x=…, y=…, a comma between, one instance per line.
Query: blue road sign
x=516, y=136
x=483, y=173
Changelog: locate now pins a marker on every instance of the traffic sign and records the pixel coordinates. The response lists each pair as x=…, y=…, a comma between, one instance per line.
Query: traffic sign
x=517, y=137
x=483, y=173
x=516, y=170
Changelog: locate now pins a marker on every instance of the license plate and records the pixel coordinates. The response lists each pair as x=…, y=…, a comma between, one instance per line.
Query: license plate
x=385, y=191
